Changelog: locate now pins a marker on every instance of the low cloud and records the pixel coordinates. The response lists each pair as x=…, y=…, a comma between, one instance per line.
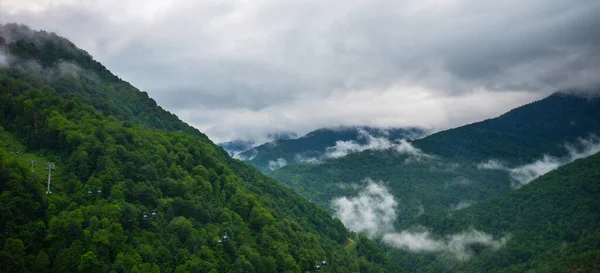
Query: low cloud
x=276, y=164
x=491, y=164
x=3, y=59
x=373, y=212
x=306, y=159
x=244, y=156
x=404, y=147
x=524, y=174
x=456, y=245
x=343, y=148
x=461, y=205
x=527, y=173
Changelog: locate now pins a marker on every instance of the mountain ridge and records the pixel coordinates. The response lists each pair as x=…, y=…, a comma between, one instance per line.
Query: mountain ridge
x=323, y=144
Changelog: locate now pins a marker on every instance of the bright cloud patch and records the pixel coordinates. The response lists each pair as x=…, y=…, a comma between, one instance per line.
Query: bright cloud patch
x=373, y=212
x=343, y=148
x=457, y=245
x=276, y=164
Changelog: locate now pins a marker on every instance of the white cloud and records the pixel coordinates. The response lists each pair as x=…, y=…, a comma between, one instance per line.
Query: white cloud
x=276, y=164
x=304, y=159
x=461, y=205
x=404, y=147
x=491, y=164
x=372, y=212
x=413, y=241
x=457, y=245
x=343, y=148
x=524, y=174
x=527, y=173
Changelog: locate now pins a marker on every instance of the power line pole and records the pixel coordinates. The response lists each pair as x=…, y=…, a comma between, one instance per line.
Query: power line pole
x=50, y=167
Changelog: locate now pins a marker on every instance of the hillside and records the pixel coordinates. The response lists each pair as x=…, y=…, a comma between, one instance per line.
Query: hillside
x=134, y=189
x=324, y=144
x=520, y=135
x=461, y=165
x=552, y=225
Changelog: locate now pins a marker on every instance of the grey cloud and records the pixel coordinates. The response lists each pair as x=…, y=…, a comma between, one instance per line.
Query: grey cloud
x=3, y=59
x=261, y=57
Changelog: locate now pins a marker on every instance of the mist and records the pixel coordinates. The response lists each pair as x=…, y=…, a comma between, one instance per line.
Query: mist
x=3, y=59
x=524, y=174
x=343, y=148
x=461, y=205
x=373, y=212
x=457, y=245
x=277, y=164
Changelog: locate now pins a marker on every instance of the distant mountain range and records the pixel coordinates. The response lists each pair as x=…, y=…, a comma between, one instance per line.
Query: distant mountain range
x=319, y=145
x=235, y=147
x=435, y=178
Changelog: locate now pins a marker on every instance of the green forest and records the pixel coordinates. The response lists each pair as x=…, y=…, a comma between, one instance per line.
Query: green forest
x=96, y=177
x=552, y=225
x=446, y=170
x=134, y=189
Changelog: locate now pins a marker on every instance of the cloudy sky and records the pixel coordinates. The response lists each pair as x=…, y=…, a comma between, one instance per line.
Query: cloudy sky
x=240, y=69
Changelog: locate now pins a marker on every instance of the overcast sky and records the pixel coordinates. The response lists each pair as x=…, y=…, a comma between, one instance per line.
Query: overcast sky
x=240, y=69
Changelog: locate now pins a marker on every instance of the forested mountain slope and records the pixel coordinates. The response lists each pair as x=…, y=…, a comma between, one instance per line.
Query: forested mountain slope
x=134, y=188
x=552, y=225
x=523, y=134
x=322, y=144
x=461, y=166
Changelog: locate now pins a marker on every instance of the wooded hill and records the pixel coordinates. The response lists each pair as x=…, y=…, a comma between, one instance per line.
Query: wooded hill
x=134, y=188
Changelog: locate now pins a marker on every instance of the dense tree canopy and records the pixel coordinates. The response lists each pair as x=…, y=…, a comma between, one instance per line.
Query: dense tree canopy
x=134, y=188
x=553, y=225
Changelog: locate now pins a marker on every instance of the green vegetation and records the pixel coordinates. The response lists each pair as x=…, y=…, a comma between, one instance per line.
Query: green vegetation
x=119, y=159
x=521, y=135
x=451, y=174
x=553, y=222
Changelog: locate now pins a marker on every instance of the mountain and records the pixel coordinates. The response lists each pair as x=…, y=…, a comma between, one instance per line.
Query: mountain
x=134, y=189
x=551, y=225
x=477, y=198
x=323, y=144
x=238, y=146
x=461, y=165
x=522, y=134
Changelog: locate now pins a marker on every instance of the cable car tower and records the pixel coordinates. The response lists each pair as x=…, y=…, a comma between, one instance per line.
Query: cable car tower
x=49, y=167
